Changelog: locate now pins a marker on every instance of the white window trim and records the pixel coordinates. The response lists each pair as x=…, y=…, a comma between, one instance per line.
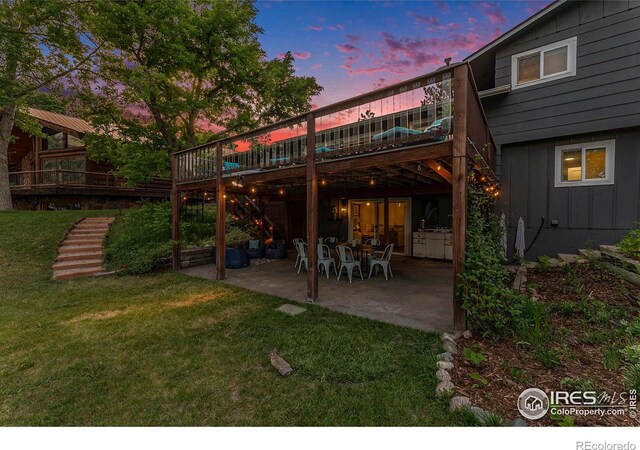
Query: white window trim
x=571, y=44
x=609, y=145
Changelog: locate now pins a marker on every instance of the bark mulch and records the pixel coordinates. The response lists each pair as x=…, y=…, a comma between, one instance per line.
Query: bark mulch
x=586, y=305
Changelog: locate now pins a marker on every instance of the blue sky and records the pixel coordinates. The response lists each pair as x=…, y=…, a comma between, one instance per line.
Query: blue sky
x=355, y=46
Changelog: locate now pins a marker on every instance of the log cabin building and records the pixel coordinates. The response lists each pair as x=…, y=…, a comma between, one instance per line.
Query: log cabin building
x=55, y=171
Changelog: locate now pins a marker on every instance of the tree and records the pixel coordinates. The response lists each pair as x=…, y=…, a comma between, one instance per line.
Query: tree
x=185, y=71
x=40, y=44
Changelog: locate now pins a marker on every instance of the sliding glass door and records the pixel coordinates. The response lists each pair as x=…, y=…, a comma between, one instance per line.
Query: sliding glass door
x=366, y=221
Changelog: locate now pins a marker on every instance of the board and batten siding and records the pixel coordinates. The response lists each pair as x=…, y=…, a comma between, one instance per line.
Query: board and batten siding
x=603, y=95
x=601, y=214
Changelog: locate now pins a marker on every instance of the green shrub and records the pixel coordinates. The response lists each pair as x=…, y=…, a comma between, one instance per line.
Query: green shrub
x=491, y=305
x=475, y=358
x=630, y=244
x=611, y=358
x=631, y=372
x=579, y=384
x=141, y=238
x=544, y=263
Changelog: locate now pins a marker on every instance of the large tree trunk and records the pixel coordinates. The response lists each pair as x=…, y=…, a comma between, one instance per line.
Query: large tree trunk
x=6, y=125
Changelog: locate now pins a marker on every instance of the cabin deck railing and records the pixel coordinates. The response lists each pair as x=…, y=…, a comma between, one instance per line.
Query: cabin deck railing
x=414, y=111
x=60, y=178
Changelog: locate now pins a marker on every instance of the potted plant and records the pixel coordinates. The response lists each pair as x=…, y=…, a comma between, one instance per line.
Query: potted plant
x=235, y=255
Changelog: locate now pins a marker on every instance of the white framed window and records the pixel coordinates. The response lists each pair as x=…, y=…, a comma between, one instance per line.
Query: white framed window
x=588, y=164
x=551, y=62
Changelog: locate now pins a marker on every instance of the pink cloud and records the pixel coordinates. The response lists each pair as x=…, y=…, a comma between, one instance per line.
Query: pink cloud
x=335, y=27
x=408, y=56
x=442, y=7
x=302, y=55
x=353, y=37
x=316, y=66
x=420, y=18
x=347, y=48
x=314, y=28
x=472, y=20
x=493, y=12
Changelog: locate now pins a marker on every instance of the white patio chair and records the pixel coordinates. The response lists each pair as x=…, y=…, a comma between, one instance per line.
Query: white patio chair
x=331, y=240
x=325, y=260
x=372, y=242
x=348, y=261
x=302, y=251
x=382, y=259
x=296, y=241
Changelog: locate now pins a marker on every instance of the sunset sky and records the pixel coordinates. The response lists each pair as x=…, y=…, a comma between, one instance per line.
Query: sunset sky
x=356, y=46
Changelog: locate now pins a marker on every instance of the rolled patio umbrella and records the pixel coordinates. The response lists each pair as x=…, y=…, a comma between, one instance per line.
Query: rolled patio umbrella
x=503, y=238
x=520, y=245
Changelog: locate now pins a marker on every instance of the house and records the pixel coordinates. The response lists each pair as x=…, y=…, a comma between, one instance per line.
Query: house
x=390, y=165
x=546, y=117
x=561, y=92
x=55, y=171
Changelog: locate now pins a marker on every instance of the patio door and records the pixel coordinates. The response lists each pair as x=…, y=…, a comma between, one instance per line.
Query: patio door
x=366, y=221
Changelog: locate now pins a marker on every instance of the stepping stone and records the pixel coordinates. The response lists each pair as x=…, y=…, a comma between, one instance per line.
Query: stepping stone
x=608, y=248
x=290, y=309
x=568, y=258
x=590, y=253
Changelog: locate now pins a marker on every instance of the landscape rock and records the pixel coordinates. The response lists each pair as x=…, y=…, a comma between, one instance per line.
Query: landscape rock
x=444, y=365
x=445, y=357
x=467, y=334
x=459, y=402
x=444, y=387
x=450, y=347
x=519, y=423
x=480, y=414
x=443, y=375
x=449, y=337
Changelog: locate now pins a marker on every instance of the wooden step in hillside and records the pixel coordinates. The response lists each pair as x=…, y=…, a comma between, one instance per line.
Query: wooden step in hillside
x=80, y=254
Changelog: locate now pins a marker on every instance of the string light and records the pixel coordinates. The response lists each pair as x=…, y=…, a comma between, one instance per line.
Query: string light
x=281, y=191
x=323, y=182
x=371, y=181
x=253, y=190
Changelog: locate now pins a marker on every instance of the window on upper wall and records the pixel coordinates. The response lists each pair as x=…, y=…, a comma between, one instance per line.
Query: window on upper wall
x=587, y=164
x=551, y=62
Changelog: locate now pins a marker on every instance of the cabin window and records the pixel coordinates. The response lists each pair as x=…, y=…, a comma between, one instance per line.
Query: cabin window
x=58, y=140
x=547, y=63
x=64, y=170
x=585, y=164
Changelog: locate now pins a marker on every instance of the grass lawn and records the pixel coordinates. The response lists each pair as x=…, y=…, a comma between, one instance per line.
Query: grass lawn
x=167, y=349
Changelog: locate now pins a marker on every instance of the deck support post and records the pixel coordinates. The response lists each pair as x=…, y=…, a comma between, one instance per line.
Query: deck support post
x=385, y=218
x=312, y=210
x=459, y=185
x=221, y=214
x=175, y=216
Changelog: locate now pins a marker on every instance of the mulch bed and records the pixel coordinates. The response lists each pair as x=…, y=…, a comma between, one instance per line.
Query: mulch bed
x=579, y=339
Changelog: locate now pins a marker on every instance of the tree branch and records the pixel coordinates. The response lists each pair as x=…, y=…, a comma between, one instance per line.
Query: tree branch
x=58, y=75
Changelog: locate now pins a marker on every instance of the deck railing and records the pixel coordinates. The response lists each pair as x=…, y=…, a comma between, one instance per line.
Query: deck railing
x=60, y=178
x=418, y=110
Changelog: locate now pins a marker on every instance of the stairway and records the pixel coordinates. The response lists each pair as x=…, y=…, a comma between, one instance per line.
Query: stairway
x=80, y=253
x=252, y=212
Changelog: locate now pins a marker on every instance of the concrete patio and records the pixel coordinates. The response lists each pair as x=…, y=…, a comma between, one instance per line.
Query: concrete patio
x=419, y=296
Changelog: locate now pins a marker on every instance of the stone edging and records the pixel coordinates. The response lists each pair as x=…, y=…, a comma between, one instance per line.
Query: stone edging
x=445, y=364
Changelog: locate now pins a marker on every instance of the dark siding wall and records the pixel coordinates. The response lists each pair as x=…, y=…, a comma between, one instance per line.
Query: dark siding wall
x=604, y=93
x=599, y=213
